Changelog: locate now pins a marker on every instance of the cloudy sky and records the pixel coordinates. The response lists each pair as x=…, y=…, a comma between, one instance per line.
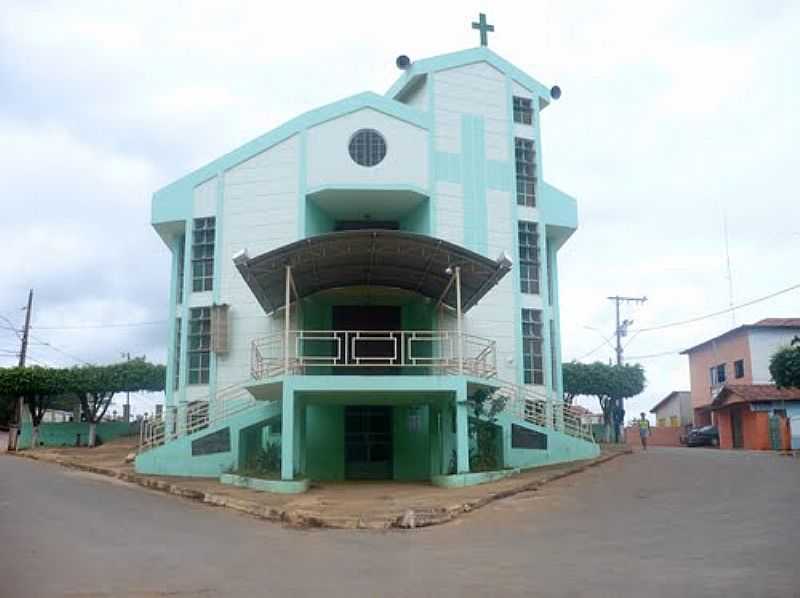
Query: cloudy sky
x=676, y=116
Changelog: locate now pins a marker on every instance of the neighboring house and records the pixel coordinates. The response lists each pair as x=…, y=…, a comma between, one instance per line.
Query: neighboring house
x=731, y=386
x=348, y=280
x=588, y=418
x=674, y=410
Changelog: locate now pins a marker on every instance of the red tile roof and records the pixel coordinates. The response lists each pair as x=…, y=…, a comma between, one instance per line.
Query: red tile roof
x=779, y=322
x=754, y=393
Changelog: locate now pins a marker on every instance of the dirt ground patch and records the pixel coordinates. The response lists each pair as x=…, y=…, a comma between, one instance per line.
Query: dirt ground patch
x=371, y=505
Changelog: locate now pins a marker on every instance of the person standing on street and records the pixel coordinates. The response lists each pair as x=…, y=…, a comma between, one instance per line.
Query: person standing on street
x=644, y=430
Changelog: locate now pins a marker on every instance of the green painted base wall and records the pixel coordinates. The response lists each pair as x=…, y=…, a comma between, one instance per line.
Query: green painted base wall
x=66, y=433
x=560, y=448
x=325, y=442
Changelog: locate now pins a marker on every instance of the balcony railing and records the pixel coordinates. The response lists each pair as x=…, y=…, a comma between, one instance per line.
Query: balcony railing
x=373, y=351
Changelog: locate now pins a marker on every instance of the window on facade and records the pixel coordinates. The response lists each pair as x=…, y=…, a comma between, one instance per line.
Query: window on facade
x=553, y=355
x=199, y=344
x=203, y=254
x=526, y=171
x=523, y=110
x=718, y=374
x=179, y=278
x=738, y=368
x=367, y=147
x=176, y=378
x=528, y=257
x=532, y=361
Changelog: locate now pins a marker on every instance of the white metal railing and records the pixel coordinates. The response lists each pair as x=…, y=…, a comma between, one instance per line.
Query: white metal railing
x=529, y=405
x=522, y=402
x=315, y=351
x=193, y=417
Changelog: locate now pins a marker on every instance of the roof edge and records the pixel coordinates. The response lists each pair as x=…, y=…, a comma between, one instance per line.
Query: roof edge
x=468, y=56
x=283, y=132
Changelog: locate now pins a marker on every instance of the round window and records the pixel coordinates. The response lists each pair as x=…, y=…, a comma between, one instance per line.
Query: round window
x=367, y=147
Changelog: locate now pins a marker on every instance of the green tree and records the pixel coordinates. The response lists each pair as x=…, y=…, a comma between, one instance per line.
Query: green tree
x=611, y=384
x=485, y=407
x=784, y=365
x=39, y=387
x=95, y=386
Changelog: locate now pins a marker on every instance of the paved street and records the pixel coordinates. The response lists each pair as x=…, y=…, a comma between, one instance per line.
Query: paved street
x=671, y=522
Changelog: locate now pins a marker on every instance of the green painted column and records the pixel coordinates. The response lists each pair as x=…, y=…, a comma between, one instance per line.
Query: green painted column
x=287, y=432
x=462, y=430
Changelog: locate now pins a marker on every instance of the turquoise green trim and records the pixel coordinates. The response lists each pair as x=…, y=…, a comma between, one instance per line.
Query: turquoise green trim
x=369, y=187
x=287, y=432
x=547, y=342
x=470, y=56
x=431, y=171
x=216, y=289
x=474, y=183
x=462, y=430
x=276, y=486
x=561, y=447
x=175, y=457
x=512, y=176
x=169, y=389
x=173, y=202
x=557, y=208
x=302, y=185
x=461, y=480
x=447, y=167
x=187, y=293
x=66, y=433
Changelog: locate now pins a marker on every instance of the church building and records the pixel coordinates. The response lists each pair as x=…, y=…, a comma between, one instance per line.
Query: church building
x=356, y=291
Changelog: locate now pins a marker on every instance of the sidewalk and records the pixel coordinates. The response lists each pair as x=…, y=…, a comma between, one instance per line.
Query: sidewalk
x=367, y=505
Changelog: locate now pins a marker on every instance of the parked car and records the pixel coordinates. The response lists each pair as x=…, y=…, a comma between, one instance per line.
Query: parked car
x=703, y=436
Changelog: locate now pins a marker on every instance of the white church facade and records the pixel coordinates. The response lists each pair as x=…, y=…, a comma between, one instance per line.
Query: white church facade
x=346, y=285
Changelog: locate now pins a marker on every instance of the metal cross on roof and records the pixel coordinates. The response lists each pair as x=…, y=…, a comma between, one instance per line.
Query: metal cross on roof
x=484, y=27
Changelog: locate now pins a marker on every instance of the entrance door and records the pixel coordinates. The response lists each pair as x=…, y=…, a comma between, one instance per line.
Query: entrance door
x=368, y=442
x=736, y=428
x=376, y=356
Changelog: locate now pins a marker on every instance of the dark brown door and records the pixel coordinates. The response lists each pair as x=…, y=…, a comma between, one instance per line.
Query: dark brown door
x=376, y=356
x=736, y=428
x=368, y=442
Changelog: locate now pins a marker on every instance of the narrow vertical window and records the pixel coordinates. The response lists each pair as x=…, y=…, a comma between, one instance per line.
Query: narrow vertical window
x=738, y=368
x=532, y=363
x=525, y=158
x=553, y=356
x=528, y=236
x=179, y=278
x=523, y=110
x=199, y=344
x=177, y=359
x=203, y=254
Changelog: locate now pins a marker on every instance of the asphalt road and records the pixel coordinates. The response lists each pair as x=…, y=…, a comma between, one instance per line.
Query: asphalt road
x=671, y=522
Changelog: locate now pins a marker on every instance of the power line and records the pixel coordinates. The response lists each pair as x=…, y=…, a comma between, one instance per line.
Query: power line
x=721, y=312
x=97, y=325
x=595, y=350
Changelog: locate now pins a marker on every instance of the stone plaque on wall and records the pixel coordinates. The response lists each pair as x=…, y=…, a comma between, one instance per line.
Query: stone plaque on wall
x=522, y=437
x=216, y=442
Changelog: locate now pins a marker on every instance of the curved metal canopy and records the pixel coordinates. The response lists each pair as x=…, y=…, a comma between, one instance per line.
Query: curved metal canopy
x=386, y=258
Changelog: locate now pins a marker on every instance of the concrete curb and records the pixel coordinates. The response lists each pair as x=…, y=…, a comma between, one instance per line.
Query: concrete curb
x=411, y=519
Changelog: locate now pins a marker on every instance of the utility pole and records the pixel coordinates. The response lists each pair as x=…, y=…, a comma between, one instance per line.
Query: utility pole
x=621, y=330
x=23, y=353
x=127, y=410
x=622, y=327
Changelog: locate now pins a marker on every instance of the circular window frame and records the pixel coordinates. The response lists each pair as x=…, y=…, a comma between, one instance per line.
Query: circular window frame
x=353, y=156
